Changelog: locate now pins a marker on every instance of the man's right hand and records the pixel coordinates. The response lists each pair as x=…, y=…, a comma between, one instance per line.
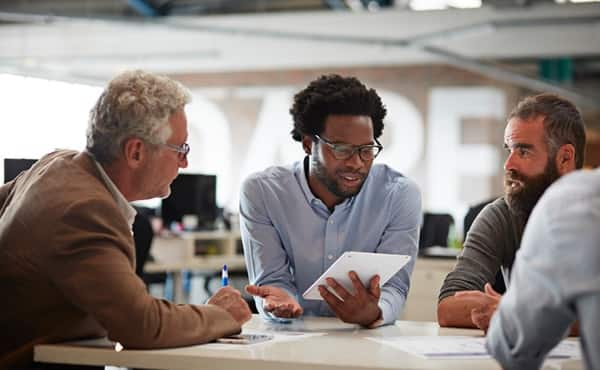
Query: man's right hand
x=231, y=301
x=457, y=310
x=276, y=301
x=484, y=307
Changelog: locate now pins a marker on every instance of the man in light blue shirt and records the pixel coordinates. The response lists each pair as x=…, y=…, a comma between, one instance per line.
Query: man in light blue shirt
x=297, y=220
x=556, y=278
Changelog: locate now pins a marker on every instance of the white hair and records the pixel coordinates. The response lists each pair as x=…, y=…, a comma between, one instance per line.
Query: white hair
x=134, y=104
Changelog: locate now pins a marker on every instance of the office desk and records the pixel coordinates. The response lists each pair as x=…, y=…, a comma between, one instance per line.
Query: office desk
x=343, y=347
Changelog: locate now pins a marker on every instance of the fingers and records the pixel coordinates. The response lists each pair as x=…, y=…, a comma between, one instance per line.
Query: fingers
x=481, y=318
x=490, y=291
x=358, y=286
x=360, y=308
x=332, y=301
x=340, y=290
x=287, y=310
x=298, y=311
x=374, y=287
x=231, y=301
x=260, y=291
x=255, y=290
x=476, y=317
x=276, y=301
x=245, y=314
x=271, y=306
x=224, y=294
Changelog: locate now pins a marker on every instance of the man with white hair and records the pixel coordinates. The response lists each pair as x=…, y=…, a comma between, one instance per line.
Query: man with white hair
x=66, y=249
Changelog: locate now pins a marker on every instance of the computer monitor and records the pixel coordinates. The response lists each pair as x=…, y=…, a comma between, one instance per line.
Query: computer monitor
x=192, y=194
x=13, y=167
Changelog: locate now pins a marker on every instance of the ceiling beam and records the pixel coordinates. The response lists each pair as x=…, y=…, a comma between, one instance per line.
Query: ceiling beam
x=422, y=42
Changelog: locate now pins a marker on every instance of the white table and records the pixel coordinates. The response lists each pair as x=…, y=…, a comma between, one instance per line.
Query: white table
x=343, y=347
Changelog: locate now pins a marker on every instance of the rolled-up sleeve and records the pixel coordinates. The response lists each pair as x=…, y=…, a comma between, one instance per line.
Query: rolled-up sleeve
x=482, y=255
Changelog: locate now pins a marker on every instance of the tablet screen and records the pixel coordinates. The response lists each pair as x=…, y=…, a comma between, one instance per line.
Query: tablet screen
x=366, y=265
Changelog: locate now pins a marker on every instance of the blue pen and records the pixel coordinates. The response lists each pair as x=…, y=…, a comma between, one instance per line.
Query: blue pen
x=224, y=276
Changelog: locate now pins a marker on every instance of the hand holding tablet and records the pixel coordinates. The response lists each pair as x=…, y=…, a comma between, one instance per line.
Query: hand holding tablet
x=366, y=265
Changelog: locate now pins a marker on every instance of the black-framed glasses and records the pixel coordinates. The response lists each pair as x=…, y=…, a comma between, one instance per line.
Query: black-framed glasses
x=341, y=151
x=182, y=149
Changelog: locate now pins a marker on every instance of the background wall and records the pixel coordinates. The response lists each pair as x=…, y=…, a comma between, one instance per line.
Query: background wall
x=444, y=127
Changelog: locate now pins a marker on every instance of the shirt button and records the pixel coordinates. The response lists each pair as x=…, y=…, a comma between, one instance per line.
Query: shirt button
x=330, y=256
x=331, y=222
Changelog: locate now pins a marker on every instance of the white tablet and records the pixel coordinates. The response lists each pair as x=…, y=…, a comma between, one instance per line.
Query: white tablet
x=366, y=265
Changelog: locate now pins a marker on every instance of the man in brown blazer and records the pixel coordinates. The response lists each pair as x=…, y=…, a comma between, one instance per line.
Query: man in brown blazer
x=66, y=248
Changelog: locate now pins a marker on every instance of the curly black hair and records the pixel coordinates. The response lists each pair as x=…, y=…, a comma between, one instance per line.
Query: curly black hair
x=334, y=94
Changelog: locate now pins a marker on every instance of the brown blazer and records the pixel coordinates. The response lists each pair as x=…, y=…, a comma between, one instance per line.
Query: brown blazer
x=67, y=269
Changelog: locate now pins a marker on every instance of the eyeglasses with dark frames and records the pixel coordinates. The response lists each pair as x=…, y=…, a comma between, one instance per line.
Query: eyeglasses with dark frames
x=182, y=149
x=341, y=151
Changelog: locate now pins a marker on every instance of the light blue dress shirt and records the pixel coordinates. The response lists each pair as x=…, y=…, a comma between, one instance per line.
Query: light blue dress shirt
x=290, y=237
x=555, y=279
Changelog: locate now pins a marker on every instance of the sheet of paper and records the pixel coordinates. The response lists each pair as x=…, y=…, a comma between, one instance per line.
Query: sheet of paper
x=366, y=265
x=462, y=347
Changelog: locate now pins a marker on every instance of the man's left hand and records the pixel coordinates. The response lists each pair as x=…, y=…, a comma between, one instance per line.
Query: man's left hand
x=360, y=307
x=276, y=301
x=489, y=300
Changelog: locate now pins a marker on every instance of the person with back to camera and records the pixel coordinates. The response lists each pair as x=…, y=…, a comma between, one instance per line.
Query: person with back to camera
x=555, y=280
x=66, y=249
x=297, y=220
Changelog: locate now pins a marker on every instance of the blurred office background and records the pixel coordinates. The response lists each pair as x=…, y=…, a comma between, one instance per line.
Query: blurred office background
x=449, y=72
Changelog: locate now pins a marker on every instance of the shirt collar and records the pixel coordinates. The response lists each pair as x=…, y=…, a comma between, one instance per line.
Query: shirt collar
x=301, y=174
x=126, y=209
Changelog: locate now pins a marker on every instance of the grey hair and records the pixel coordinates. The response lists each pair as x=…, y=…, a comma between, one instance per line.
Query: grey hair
x=134, y=104
x=563, y=123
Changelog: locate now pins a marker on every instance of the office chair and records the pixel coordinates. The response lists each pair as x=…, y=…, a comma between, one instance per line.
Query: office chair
x=435, y=229
x=143, y=236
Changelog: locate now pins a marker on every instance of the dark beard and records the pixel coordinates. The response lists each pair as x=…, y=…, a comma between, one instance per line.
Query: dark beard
x=522, y=201
x=330, y=183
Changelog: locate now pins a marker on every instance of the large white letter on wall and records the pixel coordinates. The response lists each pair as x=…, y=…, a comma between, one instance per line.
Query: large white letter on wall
x=404, y=132
x=210, y=143
x=448, y=159
x=271, y=143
